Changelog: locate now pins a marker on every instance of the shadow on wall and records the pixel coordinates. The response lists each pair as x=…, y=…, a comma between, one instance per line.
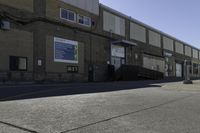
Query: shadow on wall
x=9, y=93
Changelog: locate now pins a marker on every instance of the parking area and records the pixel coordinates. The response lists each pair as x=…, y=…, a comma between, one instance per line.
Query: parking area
x=120, y=107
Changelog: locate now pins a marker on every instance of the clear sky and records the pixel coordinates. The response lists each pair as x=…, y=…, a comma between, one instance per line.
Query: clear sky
x=178, y=18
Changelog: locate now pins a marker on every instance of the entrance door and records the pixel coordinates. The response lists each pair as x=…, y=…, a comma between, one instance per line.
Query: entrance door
x=117, y=56
x=117, y=62
x=179, y=70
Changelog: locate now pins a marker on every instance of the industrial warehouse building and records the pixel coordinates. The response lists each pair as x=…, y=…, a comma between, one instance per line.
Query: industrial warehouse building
x=77, y=40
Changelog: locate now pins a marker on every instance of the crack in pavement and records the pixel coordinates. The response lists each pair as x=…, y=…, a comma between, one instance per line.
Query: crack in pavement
x=18, y=127
x=127, y=114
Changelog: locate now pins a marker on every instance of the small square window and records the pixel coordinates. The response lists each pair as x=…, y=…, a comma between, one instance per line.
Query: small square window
x=18, y=63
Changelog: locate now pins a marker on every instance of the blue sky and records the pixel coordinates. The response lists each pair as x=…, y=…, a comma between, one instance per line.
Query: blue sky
x=179, y=18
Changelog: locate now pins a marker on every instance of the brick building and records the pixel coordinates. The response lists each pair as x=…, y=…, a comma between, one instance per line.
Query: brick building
x=76, y=40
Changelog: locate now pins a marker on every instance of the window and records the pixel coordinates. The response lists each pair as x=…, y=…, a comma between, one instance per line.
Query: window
x=18, y=63
x=68, y=15
x=84, y=20
x=195, y=69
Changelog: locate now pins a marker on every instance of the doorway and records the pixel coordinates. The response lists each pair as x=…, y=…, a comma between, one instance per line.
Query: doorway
x=117, y=62
x=117, y=56
x=179, y=70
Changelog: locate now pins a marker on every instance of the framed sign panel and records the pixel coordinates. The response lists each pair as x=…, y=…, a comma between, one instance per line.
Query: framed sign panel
x=65, y=50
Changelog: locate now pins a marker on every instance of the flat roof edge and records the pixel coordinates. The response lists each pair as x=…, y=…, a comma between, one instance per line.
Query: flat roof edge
x=145, y=25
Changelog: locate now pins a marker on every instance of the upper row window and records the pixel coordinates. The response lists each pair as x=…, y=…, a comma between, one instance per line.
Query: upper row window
x=73, y=17
x=68, y=15
x=84, y=20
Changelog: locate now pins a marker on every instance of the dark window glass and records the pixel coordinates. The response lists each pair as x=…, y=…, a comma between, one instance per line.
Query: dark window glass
x=18, y=63
x=81, y=19
x=71, y=16
x=84, y=20
x=67, y=14
x=195, y=68
x=87, y=21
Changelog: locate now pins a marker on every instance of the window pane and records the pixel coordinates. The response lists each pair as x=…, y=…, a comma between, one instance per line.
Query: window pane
x=87, y=21
x=13, y=63
x=22, y=64
x=80, y=20
x=63, y=14
x=71, y=16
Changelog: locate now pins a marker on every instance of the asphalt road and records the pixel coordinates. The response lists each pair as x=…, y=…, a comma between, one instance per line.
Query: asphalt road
x=126, y=107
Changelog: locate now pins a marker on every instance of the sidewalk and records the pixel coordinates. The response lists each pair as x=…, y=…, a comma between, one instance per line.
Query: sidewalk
x=179, y=86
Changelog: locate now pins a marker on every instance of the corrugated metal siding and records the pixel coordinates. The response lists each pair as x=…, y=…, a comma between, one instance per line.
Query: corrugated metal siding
x=137, y=32
x=88, y=5
x=195, y=53
x=199, y=55
x=188, y=51
x=154, y=39
x=113, y=23
x=179, y=48
x=153, y=63
x=168, y=44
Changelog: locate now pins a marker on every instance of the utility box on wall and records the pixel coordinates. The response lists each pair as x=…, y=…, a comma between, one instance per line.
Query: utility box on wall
x=4, y=25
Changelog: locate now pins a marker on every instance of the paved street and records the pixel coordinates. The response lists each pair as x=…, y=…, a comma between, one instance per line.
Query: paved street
x=124, y=107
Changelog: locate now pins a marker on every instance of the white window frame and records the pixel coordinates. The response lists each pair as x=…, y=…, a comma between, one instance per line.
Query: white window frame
x=84, y=17
x=75, y=15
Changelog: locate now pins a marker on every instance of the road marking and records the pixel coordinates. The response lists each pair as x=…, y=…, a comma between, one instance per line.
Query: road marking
x=18, y=127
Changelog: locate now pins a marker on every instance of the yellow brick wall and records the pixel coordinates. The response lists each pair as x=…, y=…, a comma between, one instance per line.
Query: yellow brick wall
x=53, y=9
x=19, y=4
x=15, y=43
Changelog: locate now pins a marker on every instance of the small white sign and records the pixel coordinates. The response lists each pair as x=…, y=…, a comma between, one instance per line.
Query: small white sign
x=39, y=62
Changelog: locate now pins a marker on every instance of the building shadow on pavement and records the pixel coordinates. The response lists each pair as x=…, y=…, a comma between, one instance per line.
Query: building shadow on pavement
x=21, y=92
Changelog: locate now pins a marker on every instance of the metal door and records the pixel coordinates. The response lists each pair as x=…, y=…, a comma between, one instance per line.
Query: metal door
x=179, y=70
x=117, y=62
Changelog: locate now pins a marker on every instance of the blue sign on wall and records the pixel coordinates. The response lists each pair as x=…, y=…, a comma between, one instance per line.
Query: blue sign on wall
x=65, y=50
